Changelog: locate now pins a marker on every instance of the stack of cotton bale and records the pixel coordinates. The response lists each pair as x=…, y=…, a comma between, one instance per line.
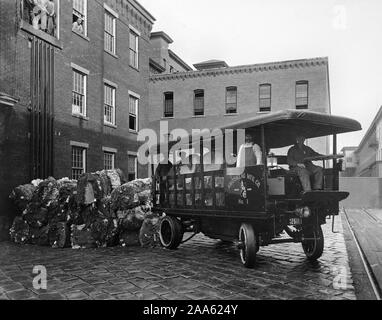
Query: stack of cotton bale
x=98, y=210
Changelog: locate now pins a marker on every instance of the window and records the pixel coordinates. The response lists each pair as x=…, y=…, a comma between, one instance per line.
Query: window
x=169, y=104
x=133, y=113
x=231, y=100
x=132, y=167
x=302, y=100
x=265, y=97
x=199, y=103
x=79, y=93
x=109, y=112
x=42, y=15
x=78, y=162
x=108, y=160
x=134, y=47
x=109, y=32
x=79, y=21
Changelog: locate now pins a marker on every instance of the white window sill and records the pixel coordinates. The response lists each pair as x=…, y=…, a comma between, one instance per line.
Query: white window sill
x=81, y=35
x=199, y=116
x=263, y=112
x=231, y=114
x=110, y=125
x=80, y=116
x=112, y=54
x=134, y=68
x=168, y=118
x=133, y=131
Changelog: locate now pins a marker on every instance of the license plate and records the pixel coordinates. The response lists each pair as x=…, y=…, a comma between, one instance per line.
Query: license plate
x=295, y=221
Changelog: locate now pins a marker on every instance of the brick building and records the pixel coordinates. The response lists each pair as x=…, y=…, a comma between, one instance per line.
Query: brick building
x=74, y=89
x=216, y=94
x=367, y=156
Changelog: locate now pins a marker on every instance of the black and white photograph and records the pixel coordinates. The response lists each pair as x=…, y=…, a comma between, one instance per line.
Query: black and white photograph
x=190, y=155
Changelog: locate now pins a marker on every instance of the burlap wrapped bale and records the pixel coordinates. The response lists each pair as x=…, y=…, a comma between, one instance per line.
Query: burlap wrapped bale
x=132, y=219
x=105, y=208
x=129, y=238
x=59, y=235
x=131, y=194
x=149, y=233
x=89, y=189
x=105, y=232
x=81, y=238
x=104, y=183
x=22, y=195
x=36, y=216
x=19, y=232
x=67, y=205
x=46, y=194
x=39, y=236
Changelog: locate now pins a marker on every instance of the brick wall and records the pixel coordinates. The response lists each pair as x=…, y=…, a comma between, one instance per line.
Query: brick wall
x=214, y=83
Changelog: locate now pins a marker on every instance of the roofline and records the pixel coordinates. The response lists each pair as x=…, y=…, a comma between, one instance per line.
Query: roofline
x=143, y=10
x=368, y=132
x=162, y=34
x=174, y=56
x=260, y=67
x=156, y=65
x=210, y=64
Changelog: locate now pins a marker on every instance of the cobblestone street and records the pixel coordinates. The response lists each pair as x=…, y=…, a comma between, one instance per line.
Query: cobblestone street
x=200, y=269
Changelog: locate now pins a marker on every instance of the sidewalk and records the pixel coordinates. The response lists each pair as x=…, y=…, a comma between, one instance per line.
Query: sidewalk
x=366, y=225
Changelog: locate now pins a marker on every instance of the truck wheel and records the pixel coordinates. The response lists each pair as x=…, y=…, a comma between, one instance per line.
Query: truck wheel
x=314, y=246
x=248, y=245
x=170, y=232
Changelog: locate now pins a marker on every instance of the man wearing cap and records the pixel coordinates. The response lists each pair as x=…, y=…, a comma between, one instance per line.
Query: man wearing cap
x=305, y=169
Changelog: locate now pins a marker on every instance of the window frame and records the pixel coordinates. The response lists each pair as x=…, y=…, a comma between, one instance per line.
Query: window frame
x=196, y=92
x=228, y=89
x=109, y=153
x=83, y=151
x=137, y=97
x=268, y=109
x=136, y=34
x=83, y=72
x=164, y=104
x=135, y=156
x=114, y=16
x=114, y=94
x=302, y=106
x=83, y=15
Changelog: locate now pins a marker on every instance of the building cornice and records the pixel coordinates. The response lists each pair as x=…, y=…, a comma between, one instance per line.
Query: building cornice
x=175, y=57
x=156, y=65
x=142, y=10
x=262, y=67
x=161, y=34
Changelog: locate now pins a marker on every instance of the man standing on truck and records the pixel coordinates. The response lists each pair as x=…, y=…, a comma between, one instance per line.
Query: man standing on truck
x=305, y=169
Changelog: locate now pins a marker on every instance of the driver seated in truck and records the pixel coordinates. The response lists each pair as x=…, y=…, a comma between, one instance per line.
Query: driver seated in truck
x=305, y=169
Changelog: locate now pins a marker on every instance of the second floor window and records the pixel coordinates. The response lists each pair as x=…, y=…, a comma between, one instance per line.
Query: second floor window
x=134, y=47
x=80, y=16
x=265, y=94
x=79, y=93
x=78, y=162
x=109, y=112
x=231, y=100
x=133, y=113
x=109, y=32
x=199, y=103
x=302, y=94
x=169, y=104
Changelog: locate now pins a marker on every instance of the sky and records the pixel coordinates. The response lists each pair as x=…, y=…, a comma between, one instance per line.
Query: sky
x=348, y=32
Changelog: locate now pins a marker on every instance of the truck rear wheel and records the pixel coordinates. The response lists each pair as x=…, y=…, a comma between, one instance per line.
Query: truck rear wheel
x=170, y=232
x=314, y=245
x=248, y=245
